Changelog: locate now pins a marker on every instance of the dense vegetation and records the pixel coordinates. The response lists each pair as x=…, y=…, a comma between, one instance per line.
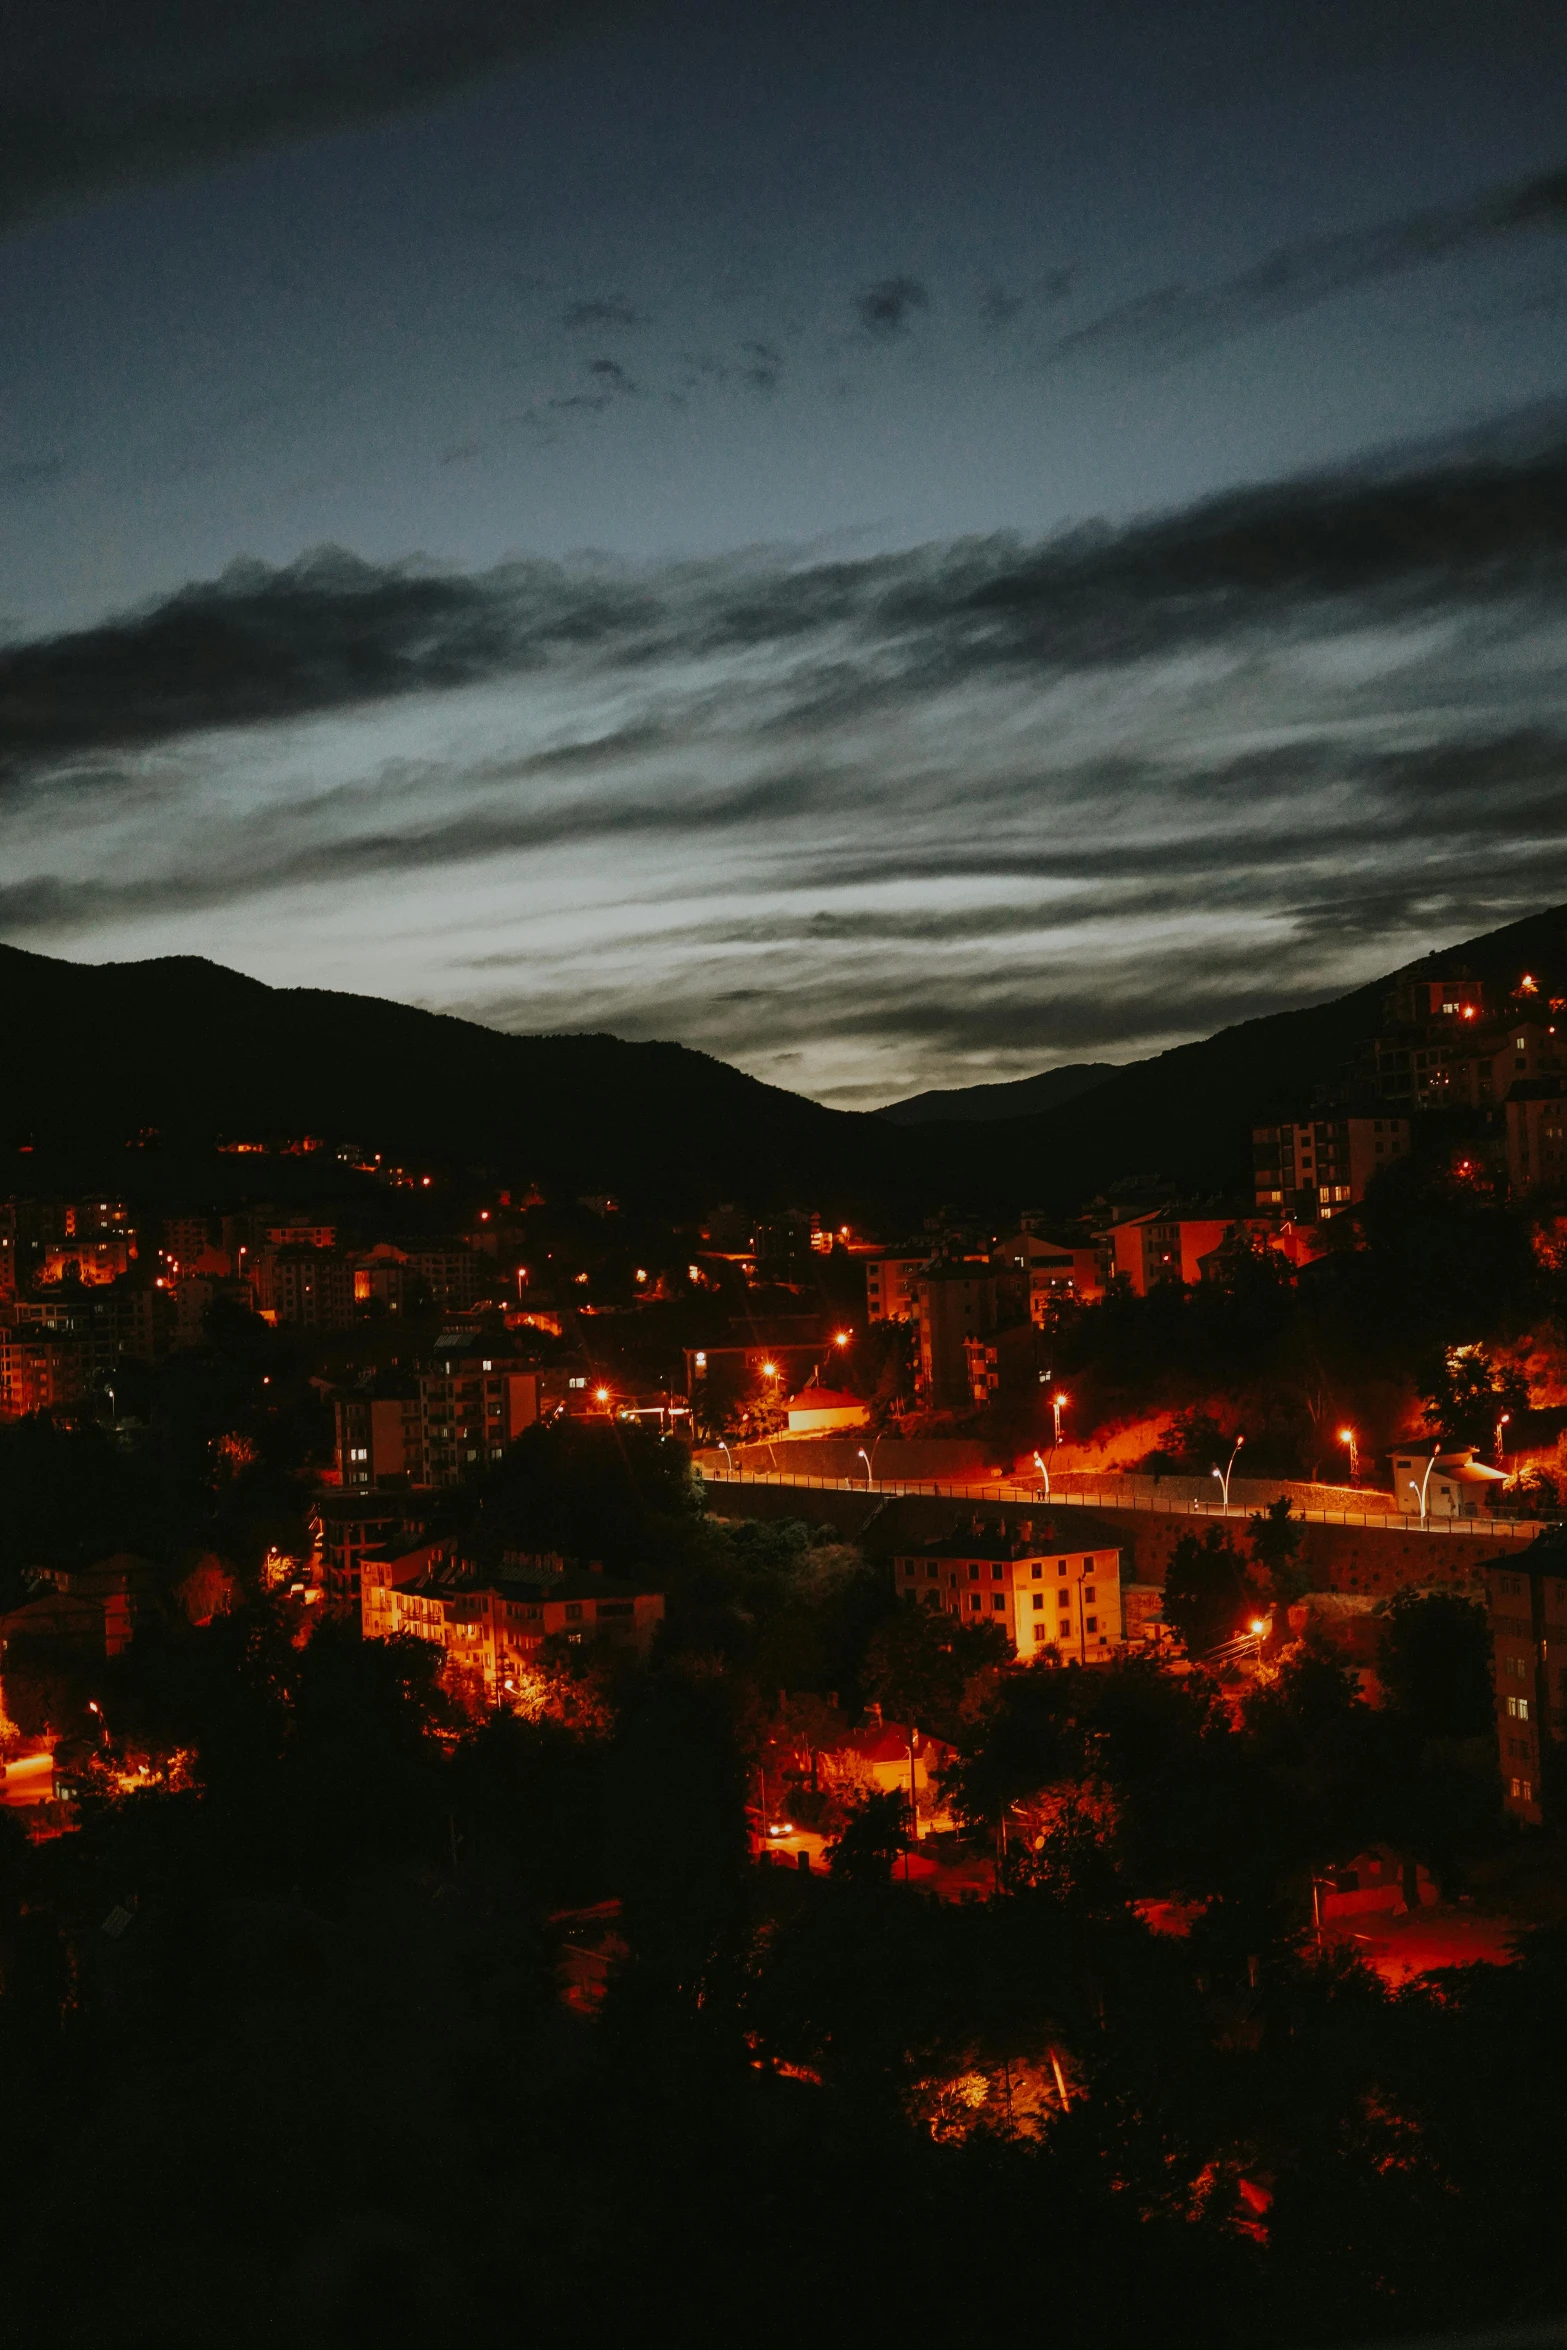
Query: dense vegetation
x=282, y=2039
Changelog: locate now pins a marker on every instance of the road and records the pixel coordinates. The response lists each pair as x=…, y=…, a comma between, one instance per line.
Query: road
x=1400, y=1948
x=1035, y=1497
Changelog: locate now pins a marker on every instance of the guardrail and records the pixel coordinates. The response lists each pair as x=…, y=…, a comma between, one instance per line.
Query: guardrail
x=1379, y=1521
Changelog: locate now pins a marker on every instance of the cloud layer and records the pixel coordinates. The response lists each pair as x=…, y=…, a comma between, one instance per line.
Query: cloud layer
x=864, y=826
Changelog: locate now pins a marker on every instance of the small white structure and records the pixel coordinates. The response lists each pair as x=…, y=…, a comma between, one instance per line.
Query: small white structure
x=1452, y=1485
x=817, y=1411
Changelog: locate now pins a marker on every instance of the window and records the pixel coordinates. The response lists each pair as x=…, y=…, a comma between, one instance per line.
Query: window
x=933, y=1571
x=909, y=1567
x=1038, y=1569
x=1041, y=1631
x=973, y=1574
x=1060, y=1566
x=1065, y=1598
x=997, y=1572
x=1039, y=1599
x=1088, y=1594
x=975, y=1600
x=1526, y=1790
x=1090, y=1623
x=998, y=1599
x=1518, y=1708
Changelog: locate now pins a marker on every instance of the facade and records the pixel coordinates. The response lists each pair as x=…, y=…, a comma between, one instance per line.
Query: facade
x=1526, y=1599
x=1058, y=1272
x=378, y=1439
x=1318, y=1167
x=493, y=1628
x=1163, y=1245
x=956, y=1308
x=307, y=1287
x=1524, y=1052
x=348, y=1525
x=892, y=1285
x=471, y=1406
x=1537, y=1134
x=1049, y=1599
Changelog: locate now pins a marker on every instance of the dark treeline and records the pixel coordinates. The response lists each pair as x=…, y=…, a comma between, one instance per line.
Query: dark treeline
x=282, y=2039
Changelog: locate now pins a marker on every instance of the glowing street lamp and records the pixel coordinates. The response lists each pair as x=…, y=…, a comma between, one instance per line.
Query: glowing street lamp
x=1420, y=1489
x=1348, y=1436
x=93, y=1707
x=1224, y=1475
x=729, y=1463
x=842, y=1337
x=1044, y=1472
x=1500, y=1425
x=863, y=1455
x=1058, y=1403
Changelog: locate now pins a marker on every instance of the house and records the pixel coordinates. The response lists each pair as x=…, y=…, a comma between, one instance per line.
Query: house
x=1444, y=1484
x=1047, y=1594
x=1058, y=1272
x=891, y=1284
x=819, y=1411
x=888, y=1758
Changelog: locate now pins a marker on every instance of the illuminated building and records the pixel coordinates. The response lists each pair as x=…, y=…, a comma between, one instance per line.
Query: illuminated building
x=1042, y=1593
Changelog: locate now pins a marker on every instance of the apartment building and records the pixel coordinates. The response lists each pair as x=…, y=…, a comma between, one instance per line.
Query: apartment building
x=1317, y=1167
x=1052, y=1599
x=1058, y=1272
x=493, y=1627
x=892, y=1285
x=1526, y=1600
x=1537, y=1134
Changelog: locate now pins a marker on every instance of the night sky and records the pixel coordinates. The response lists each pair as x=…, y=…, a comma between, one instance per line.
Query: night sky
x=897, y=544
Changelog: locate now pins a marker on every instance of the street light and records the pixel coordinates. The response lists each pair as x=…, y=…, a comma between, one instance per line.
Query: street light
x=93, y=1707
x=1420, y=1489
x=863, y=1455
x=1044, y=1472
x=1224, y=1475
x=842, y=1337
x=1058, y=1403
x=1500, y=1425
x=1348, y=1436
x=729, y=1465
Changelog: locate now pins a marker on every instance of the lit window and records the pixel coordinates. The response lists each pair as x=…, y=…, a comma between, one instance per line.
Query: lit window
x=1526, y=1790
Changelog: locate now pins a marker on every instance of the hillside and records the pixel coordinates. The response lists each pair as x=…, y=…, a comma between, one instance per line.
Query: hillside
x=1183, y=1118
x=92, y=1055
x=1019, y=1097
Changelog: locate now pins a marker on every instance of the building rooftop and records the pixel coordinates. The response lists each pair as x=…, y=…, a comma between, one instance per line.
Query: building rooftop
x=1018, y=1538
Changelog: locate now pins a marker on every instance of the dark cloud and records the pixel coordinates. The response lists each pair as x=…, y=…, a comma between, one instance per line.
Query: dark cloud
x=332, y=632
x=25, y=474
x=998, y=308
x=94, y=96
x=1173, y=322
x=761, y=365
x=886, y=308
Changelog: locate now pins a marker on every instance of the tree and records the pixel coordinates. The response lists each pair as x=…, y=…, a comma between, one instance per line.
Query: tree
x=922, y=1665
x=874, y=1834
x=1434, y=1661
x=1208, y=1591
x=1466, y=1392
x=1276, y=1536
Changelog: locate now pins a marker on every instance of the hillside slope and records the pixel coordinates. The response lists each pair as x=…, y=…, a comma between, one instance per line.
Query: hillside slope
x=91, y=1054
x=974, y=1105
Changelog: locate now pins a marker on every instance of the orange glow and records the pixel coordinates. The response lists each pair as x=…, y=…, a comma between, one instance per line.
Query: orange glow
x=1259, y=1625
x=843, y=1338
x=1527, y=985
x=1469, y=1011
x=769, y=1370
x=601, y=1394
x=1346, y=1436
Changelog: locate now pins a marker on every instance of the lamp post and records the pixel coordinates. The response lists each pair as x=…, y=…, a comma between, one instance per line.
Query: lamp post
x=93, y=1707
x=1500, y=1425
x=1225, y=1474
x=1058, y=1403
x=1348, y=1436
x=1044, y=1472
x=1420, y=1489
x=729, y=1465
x=863, y=1455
